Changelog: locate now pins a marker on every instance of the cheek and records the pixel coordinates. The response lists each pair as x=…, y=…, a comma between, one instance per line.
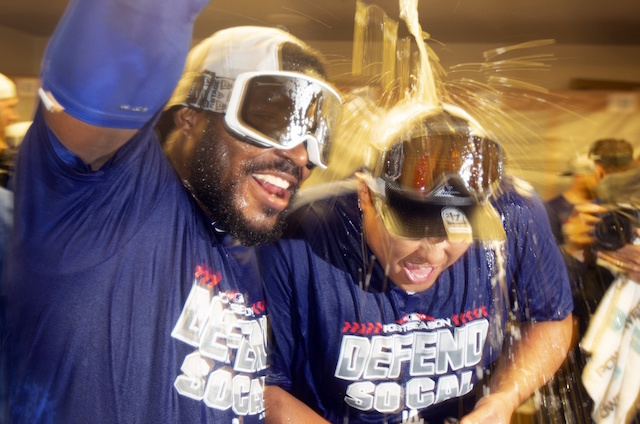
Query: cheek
x=455, y=251
x=393, y=252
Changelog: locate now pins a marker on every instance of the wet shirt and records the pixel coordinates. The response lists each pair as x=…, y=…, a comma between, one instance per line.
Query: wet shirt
x=349, y=343
x=122, y=303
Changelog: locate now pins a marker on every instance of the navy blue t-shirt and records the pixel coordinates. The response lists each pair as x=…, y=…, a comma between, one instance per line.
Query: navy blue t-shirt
x=122, y=303
x=349, y=343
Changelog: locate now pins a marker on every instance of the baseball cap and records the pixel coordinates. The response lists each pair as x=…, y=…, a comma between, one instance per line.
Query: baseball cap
x=239, y=72
x=578, y=165
x=436, y=177
x=228, y=53
x=7, y=88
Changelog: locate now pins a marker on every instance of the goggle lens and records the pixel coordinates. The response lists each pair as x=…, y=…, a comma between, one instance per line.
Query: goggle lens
x=283, y=110
x=426, y=163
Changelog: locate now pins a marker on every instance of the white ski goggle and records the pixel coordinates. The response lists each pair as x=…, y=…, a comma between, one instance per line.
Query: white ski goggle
x=275, y=109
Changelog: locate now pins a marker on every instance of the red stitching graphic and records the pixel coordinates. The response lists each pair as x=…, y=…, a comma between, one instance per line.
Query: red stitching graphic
x=467, y=316
x=206, y=277
x=362, y=328
x=258, y=307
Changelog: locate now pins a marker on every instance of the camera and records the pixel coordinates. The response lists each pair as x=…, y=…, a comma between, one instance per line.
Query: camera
x=616, y=227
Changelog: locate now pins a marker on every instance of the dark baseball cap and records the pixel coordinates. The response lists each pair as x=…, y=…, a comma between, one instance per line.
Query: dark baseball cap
x=435, y=179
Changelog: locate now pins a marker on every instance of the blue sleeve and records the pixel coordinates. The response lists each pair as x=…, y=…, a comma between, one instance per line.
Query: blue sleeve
x=539, y=273
x=114, y=63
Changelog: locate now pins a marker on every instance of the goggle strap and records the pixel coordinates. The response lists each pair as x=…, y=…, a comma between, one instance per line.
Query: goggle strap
x=313, y=150
x=209, y=92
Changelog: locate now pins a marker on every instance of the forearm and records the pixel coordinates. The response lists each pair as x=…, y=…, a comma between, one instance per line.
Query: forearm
x=534, y=359
x=528, y=364
x=282, y=407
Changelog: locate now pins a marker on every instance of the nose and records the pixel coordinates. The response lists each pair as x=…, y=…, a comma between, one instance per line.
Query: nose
x=431, y=249
x=11, y=115
x=297, y=155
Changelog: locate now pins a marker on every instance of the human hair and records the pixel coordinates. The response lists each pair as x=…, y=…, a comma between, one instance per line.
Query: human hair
x=612, y=154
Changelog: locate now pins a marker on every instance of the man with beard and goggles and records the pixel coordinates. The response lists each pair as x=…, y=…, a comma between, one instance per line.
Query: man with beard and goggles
x=394, y=296
x=130, y=294
x=263, y=130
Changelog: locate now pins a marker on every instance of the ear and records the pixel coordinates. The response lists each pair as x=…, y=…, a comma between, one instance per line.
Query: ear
x=364, y=195
x=599, y=172
x=186, y=119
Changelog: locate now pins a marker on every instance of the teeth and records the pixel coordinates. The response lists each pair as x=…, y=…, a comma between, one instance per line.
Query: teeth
x=271, y=179
x=418, y=272
x=418, y=266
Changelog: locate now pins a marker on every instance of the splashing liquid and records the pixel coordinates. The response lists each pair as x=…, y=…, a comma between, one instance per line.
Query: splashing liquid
x=400, y=85
x=409, y=83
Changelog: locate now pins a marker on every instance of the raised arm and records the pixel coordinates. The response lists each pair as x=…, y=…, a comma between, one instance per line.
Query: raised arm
x=110, y=66
x=526, y=364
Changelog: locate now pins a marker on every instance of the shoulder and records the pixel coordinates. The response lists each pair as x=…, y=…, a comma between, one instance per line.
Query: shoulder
x=322, y=207
x=516, y=198
x=558, y=204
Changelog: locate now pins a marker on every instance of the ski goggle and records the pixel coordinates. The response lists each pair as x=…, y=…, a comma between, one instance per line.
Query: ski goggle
x=282, y=110
x=444, y=153
x=427, y=180
x=445, y=165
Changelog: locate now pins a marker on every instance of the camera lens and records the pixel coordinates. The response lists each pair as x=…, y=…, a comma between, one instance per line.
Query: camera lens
x=614, y=230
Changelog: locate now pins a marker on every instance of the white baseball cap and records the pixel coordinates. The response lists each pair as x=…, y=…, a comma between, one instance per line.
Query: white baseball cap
x=230, y=52
x=7, y=88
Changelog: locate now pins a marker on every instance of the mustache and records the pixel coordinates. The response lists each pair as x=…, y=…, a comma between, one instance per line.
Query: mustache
x=281, y=164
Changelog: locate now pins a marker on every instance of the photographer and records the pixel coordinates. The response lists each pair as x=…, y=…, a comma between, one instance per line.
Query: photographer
x=607, y=233
x=612, y=159
x=610, y=156
x=575, y=215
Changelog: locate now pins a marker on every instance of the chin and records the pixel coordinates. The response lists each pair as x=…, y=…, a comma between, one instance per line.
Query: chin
x=249, y=234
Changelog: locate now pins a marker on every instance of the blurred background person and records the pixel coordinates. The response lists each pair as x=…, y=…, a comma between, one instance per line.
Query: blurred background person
x=8, y=115
x=612, y=339
x=610, y=157
x=559, y=208
x=606, y=156
x=601, y=178
x=14, y=134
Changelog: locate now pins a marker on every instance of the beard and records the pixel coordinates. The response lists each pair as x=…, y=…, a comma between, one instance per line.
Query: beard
x=219, y=192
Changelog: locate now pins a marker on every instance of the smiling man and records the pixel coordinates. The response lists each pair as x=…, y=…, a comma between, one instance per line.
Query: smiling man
x=128, y=297
x=243, y=152
x=395, y=299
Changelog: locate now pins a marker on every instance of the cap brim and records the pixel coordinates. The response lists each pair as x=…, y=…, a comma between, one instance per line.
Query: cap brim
x=418, y=219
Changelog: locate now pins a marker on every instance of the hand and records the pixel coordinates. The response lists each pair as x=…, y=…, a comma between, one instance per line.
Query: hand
x=578, y=230
x=627, y=259
x=495, y=408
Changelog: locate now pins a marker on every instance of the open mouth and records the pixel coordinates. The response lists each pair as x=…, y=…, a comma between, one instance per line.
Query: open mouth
x=273, y=185
x=417, y=273
x=274, y=191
